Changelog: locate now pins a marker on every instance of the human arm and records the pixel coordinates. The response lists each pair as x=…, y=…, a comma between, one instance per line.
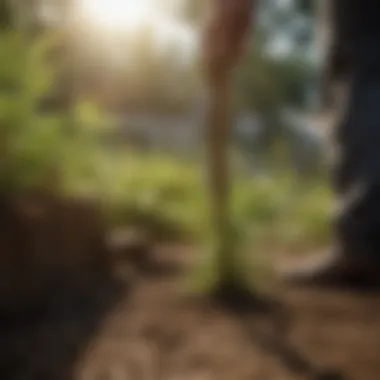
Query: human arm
x=225, y=36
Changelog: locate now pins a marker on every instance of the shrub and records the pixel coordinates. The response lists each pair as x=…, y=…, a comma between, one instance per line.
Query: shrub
x=40, y=150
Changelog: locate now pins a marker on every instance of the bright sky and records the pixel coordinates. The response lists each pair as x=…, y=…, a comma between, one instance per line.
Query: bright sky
x=127, y=15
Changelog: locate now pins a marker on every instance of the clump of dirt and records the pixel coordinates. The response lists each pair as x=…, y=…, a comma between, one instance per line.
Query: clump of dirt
x=156, y=332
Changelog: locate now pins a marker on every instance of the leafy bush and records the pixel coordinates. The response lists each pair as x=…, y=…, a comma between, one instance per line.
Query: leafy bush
x=169, y=197
x=39, y=150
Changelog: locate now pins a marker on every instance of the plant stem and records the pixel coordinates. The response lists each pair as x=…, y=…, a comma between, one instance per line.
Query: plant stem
x=218, y=133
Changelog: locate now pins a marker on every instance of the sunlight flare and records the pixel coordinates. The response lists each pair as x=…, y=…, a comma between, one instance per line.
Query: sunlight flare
x=118, y=14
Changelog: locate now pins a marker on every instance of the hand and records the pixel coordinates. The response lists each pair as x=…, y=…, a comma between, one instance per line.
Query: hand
x=224, y=37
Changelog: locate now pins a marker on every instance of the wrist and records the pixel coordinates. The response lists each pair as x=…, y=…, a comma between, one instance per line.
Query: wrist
x=234, y=15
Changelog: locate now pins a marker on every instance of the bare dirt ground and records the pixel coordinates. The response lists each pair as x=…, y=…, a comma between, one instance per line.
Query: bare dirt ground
x=152, y=331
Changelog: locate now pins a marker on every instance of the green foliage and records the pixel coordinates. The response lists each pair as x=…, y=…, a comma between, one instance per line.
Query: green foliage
x=5, y=14
x=157, y=193
x=292, y=75
x=265, y=85
x=257, y=83
x=37, y=149
x=169, y=198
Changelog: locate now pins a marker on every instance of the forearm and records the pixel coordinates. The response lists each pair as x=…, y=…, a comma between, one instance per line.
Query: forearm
x=226, y=35
x=235, y=15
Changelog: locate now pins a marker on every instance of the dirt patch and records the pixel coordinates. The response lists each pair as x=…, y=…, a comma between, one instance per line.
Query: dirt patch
x=46, y=342
x=157, y=333
x=47, y=240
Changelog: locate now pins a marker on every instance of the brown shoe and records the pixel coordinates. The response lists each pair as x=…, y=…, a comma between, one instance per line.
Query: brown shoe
x=333, y=270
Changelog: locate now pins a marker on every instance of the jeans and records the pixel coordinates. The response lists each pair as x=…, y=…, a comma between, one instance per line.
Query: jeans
x=356, y=175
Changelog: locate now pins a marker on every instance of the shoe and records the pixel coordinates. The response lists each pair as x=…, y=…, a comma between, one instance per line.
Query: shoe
x=333, y=270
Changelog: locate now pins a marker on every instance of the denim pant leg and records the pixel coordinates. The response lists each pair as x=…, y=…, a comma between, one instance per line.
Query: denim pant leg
x=357, y=173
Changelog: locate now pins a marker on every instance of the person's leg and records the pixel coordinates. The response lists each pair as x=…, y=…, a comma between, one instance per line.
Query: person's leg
x=358, y=171
x=356, y=256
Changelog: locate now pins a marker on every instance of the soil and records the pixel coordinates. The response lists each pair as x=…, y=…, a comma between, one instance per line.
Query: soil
x=152, y=330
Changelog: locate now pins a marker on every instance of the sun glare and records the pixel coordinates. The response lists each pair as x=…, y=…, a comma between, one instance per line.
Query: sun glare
x=129, y=15
x=119, y=14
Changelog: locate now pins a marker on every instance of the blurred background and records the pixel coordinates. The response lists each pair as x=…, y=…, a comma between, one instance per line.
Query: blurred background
x=105, y=99
x=104, y=181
